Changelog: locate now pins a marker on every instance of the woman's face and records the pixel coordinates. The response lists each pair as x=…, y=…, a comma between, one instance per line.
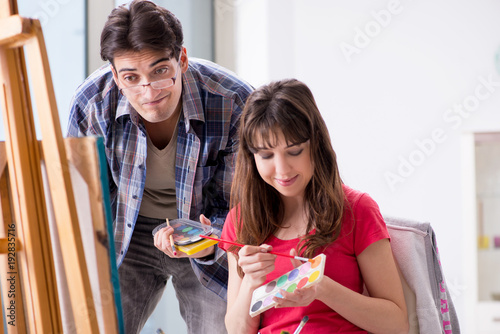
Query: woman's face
x=286, y=167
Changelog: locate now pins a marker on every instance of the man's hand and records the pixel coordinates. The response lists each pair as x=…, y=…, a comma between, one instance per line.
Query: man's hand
x=207, y=251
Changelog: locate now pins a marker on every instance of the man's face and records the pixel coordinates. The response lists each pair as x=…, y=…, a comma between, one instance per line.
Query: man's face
x=145, y=67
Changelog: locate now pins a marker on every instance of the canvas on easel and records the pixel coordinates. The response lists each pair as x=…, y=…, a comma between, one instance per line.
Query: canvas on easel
x=30, y=205
x=88, y=170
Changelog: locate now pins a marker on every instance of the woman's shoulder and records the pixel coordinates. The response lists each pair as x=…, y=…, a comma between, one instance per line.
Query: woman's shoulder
x=352, y=195
x=363, y=219
x=232, y=218
x=229, y=230
x=356, y=198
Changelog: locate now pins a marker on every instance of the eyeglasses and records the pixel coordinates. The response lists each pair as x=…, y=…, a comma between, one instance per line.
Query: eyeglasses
x=160, y=84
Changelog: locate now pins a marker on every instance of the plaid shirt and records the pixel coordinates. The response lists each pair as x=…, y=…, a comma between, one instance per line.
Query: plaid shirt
x=212, y=101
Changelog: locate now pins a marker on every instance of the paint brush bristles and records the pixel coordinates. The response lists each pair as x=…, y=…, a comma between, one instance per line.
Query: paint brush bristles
x=301, y=325
x=275, y=253
x=171, y=240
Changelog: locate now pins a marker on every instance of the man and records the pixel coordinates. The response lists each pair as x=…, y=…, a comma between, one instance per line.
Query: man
x=170, y=131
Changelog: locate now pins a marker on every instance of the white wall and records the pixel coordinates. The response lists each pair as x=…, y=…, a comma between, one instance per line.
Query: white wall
x=389, y=77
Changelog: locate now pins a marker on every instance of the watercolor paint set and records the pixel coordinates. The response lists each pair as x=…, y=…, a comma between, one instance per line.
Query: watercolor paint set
x=187, y=235
x=305, y=275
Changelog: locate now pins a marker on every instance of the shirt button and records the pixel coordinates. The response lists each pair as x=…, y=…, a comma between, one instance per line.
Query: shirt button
x=134, y=196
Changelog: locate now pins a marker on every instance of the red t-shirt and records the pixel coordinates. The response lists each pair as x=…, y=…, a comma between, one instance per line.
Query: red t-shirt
x=356, y=234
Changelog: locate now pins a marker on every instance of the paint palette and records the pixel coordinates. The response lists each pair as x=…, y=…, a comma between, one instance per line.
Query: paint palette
x=186, y=231
x=305, y=275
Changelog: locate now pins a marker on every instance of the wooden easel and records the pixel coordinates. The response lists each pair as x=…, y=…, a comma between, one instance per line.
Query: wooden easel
x=29, y=260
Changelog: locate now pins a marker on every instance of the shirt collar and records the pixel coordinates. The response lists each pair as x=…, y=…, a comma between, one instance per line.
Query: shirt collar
x=125, y=108
x=191, y=102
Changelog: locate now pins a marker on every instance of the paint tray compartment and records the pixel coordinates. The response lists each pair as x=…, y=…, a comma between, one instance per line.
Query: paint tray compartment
x=197, y=246
x=186, y=231
x=305, y=275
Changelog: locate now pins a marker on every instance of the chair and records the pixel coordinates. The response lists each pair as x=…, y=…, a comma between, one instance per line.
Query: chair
x=430, y=308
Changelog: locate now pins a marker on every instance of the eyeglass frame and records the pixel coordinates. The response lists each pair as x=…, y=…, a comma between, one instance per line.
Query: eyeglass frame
x=174, y=78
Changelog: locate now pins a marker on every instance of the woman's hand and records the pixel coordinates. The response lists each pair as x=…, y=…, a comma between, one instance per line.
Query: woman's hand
x=256, y=263
x=299, y=297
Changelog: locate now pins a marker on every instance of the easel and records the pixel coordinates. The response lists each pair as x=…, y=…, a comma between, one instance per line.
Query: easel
x=29, y=259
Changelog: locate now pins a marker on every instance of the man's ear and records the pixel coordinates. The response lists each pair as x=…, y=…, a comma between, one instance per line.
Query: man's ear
x=183, y=59
x=115, y=75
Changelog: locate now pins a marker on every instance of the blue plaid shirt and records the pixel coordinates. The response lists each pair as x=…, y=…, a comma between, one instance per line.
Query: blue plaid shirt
x=212, y=101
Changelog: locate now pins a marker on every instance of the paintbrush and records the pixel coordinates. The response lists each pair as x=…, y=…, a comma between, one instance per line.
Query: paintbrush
x=301, y=325
x=171, y=240
x=275, y=253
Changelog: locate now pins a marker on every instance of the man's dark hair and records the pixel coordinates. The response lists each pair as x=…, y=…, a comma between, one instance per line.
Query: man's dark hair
x=141, y=25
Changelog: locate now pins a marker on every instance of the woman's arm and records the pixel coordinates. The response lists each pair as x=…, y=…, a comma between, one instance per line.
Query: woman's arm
x=384, y=311
x=256, y=264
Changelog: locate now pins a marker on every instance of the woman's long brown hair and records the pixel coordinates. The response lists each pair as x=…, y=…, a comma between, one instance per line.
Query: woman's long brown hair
x=287, y=106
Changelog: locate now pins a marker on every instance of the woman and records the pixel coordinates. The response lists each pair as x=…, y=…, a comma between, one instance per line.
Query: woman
x=287, y=196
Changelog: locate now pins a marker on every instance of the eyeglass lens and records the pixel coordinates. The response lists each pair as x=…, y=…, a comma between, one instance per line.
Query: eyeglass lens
x=159, y=84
